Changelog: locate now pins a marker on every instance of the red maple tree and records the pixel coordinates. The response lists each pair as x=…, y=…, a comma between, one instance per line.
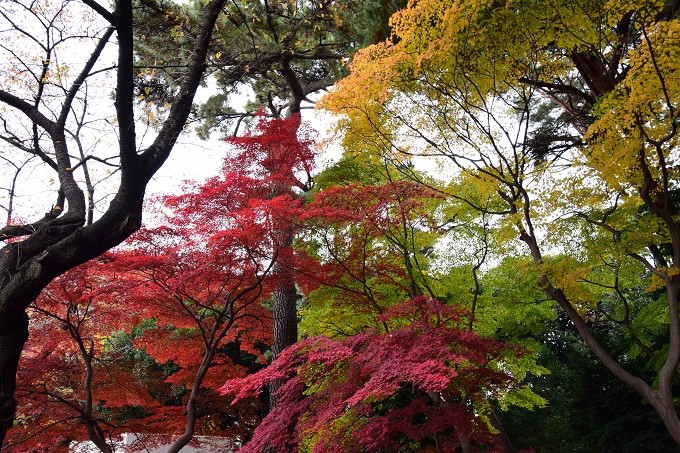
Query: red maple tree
x=70, y=379
x=413, y=379
x=278, y=156
x=377, y=391
x=202, y=279
x=365, y=243
x=240, y=226
x=196, y=292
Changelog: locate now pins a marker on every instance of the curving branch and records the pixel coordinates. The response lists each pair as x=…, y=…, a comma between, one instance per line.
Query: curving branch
x=13, y=231
x=106, y=14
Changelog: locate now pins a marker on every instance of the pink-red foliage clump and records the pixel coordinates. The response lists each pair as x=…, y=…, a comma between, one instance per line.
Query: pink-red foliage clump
x=377, y=390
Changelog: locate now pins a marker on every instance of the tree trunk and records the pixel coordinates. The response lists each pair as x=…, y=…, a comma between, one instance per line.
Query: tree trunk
x=284, y=296
x=13, y=335
x=284, y=300
x=660, y=399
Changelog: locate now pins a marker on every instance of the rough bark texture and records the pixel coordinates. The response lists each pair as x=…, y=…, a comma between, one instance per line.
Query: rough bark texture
x=284, y=309
x=284, y=297
x=13, y=335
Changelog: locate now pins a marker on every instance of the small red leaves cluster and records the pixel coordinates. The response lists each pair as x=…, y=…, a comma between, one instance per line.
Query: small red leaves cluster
x=365, y=232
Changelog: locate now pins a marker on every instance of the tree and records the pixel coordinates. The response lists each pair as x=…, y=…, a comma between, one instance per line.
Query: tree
x=275, y=161
x=368, y=244
x=65, y=379
x=83, y=378
x=284, y=52
x=408, y=386
x=539, y=119
x=201, y=282
x=59, y=241
x=281, y=52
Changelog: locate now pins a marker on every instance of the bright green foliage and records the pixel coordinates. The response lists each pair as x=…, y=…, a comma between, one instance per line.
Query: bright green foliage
x=348, y=170
x=511, y=307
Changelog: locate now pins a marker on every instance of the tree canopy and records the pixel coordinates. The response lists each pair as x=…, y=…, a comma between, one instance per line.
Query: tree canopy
x=490, y=264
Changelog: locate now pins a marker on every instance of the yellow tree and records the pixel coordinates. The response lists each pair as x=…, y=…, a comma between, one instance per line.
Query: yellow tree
x=561, y=121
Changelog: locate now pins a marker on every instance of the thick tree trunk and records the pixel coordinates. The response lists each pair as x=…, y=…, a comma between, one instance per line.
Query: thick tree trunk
x=284, y=301
x=285, y=315
x=284, y=296
x=13, y=335
x=663, y=405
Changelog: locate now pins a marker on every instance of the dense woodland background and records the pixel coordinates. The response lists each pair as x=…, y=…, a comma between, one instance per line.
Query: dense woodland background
x=487, y=261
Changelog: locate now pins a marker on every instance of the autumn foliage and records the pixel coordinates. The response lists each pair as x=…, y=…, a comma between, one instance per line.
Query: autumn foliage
x=141, y=339
x=196, y=316
x=377, y=391
x=68, y=375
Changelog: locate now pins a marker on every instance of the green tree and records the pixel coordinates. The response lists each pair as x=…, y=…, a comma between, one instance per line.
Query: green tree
x=561, y=120
x=279, y=53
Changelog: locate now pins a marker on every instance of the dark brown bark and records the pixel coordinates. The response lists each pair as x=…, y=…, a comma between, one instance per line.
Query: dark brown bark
x=13, y=335
x=285, y=313
x=284, y=309
x=284, y=297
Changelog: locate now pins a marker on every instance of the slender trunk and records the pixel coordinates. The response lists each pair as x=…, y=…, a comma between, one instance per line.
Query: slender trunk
x=190, y=426
x=463, y=438
x=217, y=335
x=94, y=431
x=437, y=444
x=662, y=398
x=13, y=335
x=502, y=436
x=465, y=444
